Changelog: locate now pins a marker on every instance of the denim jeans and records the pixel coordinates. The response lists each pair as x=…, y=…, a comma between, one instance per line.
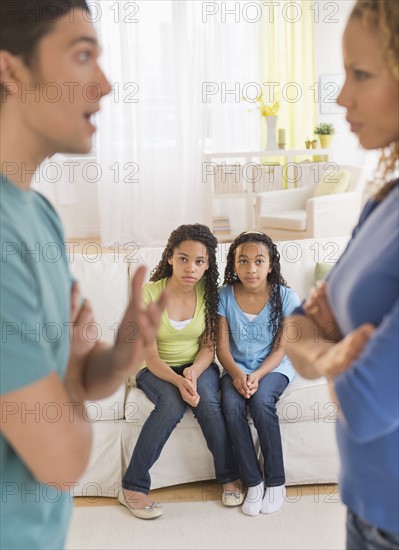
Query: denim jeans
x=262, y=407
x=360, y=535
x=169, y=410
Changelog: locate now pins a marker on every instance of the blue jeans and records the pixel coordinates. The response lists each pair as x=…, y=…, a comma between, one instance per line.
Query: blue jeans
x=360, y=535
x=169, y=410
x=262, y=407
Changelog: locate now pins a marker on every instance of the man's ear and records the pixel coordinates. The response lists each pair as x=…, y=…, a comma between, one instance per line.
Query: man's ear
x=11, y=68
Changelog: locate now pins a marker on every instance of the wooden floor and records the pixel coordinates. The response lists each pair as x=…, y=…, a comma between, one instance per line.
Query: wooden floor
x=204, y=491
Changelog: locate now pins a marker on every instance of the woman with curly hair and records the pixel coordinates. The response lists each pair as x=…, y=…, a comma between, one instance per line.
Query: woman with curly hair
x=253, y=303
x=361, y=294
x=179, y=369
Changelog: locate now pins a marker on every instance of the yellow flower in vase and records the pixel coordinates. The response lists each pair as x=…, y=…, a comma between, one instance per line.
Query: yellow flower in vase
x=265, y=110
x=269, y=112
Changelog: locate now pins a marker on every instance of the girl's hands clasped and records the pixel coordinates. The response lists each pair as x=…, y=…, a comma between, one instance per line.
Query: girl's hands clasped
x=240, y=384
x=253, y=382
x=191, y=374
x=188, y=391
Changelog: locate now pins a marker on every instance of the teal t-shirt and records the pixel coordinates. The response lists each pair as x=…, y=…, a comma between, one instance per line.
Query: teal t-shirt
x=34, y=313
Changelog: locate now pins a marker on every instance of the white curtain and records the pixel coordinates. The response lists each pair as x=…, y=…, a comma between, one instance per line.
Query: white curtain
x=155, y=125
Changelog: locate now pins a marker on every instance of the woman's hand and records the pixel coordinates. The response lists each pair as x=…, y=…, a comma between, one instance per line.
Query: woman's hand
x=339, y=357
x=317, y=308
x=188, y=392
x=240, y=384
x=138, y=328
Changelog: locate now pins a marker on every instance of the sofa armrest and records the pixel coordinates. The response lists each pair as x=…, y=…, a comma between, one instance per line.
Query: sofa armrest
x=333, y=215
x=279, y=201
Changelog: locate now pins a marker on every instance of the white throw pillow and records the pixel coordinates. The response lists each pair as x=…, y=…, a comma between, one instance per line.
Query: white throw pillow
x=333, y=182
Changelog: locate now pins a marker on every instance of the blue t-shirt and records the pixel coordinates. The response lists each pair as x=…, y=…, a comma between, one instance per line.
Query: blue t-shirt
x=34, y=313
x=364, y=288
x=251, y=341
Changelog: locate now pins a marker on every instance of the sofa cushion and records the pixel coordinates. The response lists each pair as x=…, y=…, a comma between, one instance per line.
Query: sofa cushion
x=321, y=270
x=289, y=219
x=110, y=408
x=307, y=400
x=104, y=282
x=333, y=182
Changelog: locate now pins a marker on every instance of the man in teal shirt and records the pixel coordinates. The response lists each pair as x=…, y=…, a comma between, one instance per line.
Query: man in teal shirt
x=48, y=369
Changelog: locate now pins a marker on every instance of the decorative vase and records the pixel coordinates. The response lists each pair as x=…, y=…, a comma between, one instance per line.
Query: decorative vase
x=271, y=143
x=325, y=140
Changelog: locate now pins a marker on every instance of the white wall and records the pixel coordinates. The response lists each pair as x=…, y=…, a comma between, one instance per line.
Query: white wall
x=328, y=32
x=70, y=184
x=79, y=211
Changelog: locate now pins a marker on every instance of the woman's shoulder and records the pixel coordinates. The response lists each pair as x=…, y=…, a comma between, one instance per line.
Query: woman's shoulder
x=288, y=294
x=153, y=289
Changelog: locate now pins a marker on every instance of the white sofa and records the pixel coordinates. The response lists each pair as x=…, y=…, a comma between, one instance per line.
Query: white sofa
x=306, y=413
x=297, y=214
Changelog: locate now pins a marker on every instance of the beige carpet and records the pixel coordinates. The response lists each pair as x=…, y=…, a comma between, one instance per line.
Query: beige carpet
x=304, y=522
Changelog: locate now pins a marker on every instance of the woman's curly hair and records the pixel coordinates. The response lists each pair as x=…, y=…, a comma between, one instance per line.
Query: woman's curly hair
x=201, y=234
x=383, y=17
x=274, y=278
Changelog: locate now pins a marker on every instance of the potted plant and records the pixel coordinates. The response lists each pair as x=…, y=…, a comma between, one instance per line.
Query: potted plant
x=325, y=131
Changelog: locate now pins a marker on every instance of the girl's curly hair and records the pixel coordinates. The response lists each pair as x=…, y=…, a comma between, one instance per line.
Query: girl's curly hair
x=201, y=234
x=274, y=278
x=382, y=16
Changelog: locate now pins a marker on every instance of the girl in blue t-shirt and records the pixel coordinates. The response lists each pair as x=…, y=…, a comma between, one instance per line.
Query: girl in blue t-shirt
x=253, y=303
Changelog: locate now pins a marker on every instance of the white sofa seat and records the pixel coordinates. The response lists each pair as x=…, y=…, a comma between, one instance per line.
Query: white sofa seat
x=295, y=220
x=185, y=455
x=105, y=283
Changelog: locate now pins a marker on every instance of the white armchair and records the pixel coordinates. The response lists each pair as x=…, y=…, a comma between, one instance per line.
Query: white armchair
x=298, y=214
